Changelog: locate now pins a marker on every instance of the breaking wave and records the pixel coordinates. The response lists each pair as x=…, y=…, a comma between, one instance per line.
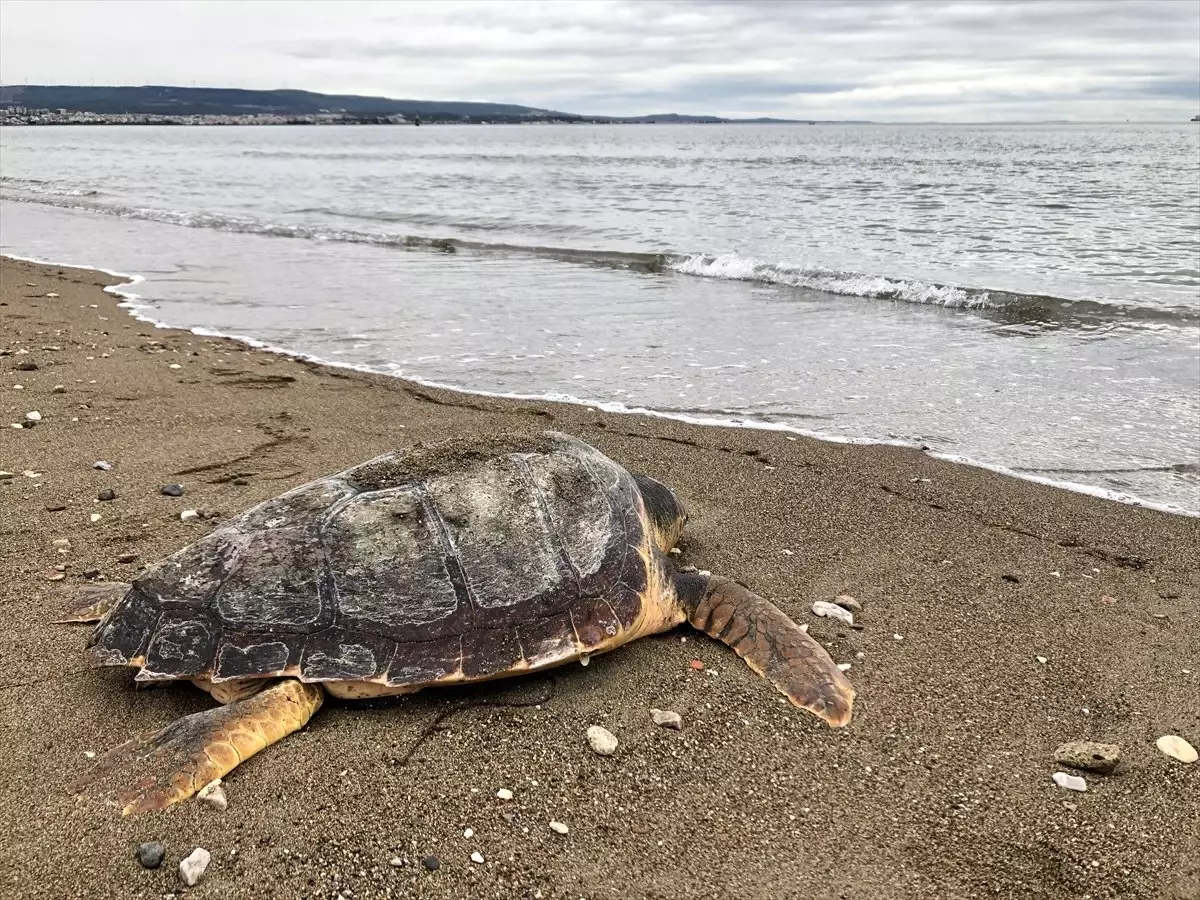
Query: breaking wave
x=831, y=281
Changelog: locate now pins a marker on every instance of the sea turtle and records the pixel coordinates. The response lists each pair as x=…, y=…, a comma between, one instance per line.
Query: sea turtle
x=455, y=562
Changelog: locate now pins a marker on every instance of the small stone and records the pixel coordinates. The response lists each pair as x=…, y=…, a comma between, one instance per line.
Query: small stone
x=150, y=854
x=59, y=389
x=844, y=667
x=26, y=365
x=1089, y=756
x=214, y=795
x=667, y=718
x=602, y=740
x=240, y=482
x=504, y=794
x=1177, y=748
x=33, y=416
x=56, y=507
x=845, y=601
x=1070, y=782
x=833, y=611
x=174, y=366
x=6, y=476
x=188, y=515
x=95, y=517
x=584, y=659
x=697, y=665
x=1011, y=578
x=468, y=833
x=61, y=542
x=126, y=557
x=1042, y=659
x=102, y=464
x=477, y=857
x=559, y=827
x=191, y=867
x=172, y=490
x=52, y=295
x=91, y=573
x=55, y=576
x=431, y=863
x=107, y=494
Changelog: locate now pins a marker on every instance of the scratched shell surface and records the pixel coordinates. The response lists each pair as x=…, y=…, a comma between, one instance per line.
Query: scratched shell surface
x=460, y=561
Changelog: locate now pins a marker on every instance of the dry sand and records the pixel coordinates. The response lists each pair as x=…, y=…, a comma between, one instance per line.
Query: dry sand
x=939, y=788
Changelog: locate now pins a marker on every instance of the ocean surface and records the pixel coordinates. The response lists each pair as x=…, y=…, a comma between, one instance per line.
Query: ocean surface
x=1025, y=297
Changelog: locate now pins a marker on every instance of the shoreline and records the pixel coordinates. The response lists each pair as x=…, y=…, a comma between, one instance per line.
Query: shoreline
x=129, y=302
x=1000, y=619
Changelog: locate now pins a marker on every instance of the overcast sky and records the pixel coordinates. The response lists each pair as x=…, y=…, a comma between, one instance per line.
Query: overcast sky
x=949, y=61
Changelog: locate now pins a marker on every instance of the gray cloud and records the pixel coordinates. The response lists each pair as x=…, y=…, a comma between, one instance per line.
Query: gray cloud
x=971, y=60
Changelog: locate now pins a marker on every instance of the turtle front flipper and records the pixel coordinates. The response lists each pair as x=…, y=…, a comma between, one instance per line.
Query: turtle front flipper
x=91, y=602
x=772, y=645
x=155, y=770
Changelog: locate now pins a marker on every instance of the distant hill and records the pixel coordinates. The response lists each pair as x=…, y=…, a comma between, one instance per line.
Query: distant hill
x=166, y=101
x=187, y=101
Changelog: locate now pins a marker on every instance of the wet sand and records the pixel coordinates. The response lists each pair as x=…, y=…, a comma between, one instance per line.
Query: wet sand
x=940, y=787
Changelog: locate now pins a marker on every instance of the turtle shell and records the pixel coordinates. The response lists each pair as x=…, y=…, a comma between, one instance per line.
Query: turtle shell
x=455, y=562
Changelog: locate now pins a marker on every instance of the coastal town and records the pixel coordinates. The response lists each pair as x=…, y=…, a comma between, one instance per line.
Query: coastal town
x=20, y=115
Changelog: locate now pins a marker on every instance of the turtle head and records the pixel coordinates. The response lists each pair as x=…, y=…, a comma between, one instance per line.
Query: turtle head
x=665, y=511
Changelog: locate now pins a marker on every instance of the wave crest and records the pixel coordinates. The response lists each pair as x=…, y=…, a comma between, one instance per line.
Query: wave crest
x=738, y=268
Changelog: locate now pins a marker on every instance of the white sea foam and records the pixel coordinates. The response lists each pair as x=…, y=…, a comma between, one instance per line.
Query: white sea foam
x=732, y=267
x=131, y=301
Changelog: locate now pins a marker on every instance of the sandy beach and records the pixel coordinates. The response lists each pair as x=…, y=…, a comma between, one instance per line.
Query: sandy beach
x=1000, y=619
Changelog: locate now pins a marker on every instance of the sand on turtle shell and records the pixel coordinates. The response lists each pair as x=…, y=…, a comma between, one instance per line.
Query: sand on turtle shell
x=939, y=788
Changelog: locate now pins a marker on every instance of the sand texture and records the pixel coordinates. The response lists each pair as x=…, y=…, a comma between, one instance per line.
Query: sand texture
x=940, y=788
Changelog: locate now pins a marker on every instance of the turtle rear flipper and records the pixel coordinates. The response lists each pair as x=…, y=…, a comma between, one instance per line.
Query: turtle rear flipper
x=772, y=645
x=155, y=770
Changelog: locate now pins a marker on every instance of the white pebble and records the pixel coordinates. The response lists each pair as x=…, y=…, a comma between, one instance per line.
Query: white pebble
x=584, y=659
x=832, y=611
x=559, y=827
x=1042, y=659
x=477, y=857
x=33, y=416
x=174, y=366
x=843, y=667
x=395, y=862
x=468, y=832
x=52, y=296
x=192, y=866
x=188, y=514
x=95, y=517
x=667, y=718
x=102, y=464
x=214, y=795
x=898, y=637
x=1176, y=747
x=1070, y=782
x=504, y=794
x=602, y=740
